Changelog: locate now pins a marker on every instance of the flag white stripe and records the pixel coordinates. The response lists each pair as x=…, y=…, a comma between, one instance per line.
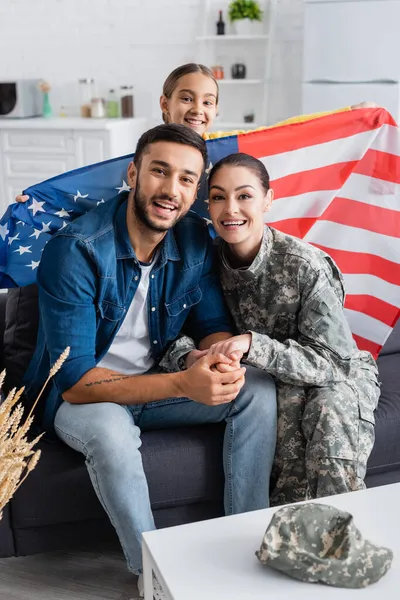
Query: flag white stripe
x=359, y=188
x=310, y=204
x=387, y=140
x=319, y=155
x=371, y=285
x=354, y=239
x=369, y=190
x=367, y=327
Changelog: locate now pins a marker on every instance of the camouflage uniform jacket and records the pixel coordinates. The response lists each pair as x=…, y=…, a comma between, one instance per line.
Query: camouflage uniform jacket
x=291, y=300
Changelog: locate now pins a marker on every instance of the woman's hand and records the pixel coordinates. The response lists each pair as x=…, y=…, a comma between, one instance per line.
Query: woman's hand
x=193, y=356
x=22, y=198
x=233, y=348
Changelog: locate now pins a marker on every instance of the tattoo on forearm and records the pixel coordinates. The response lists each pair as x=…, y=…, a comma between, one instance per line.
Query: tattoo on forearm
x=114, y=377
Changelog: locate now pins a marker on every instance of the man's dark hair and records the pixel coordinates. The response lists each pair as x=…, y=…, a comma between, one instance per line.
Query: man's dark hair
x=242, y=160
x=178, y=134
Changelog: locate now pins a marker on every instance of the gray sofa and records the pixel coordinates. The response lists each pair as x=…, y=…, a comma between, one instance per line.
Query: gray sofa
x=56, y=508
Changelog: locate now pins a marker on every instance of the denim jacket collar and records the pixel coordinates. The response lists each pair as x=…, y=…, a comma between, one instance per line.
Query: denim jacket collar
x=168, y=247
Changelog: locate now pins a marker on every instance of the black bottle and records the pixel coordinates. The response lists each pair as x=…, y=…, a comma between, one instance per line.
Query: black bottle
x=220, y=25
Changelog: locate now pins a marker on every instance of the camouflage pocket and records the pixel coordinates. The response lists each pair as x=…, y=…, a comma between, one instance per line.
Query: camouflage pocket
x=366, y=438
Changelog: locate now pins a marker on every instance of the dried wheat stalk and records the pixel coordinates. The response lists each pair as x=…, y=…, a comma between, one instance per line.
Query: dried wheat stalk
x=17, y=455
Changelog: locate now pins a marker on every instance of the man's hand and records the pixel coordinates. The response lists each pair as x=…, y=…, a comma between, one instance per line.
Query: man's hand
x=233, y=348
x=202, y=383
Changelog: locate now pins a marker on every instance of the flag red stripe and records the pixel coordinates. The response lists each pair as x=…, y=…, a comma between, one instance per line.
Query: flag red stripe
x=297, y=227
x=364, y=264
x=380, y=165
x=293, y=136
x=364, y=344
x=374, y=307
x=331, y=177
x=363, y=216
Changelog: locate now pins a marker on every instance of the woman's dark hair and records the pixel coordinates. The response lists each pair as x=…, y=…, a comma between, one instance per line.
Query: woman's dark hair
x=172, y=80
x=178, y=134
x=242, y=160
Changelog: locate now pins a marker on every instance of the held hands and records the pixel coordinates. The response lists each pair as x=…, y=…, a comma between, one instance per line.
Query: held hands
x=233, y=348
x=203, y=383
x=215, y=376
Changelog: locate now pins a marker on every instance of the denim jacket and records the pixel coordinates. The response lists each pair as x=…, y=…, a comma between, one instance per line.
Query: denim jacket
x=87, y=278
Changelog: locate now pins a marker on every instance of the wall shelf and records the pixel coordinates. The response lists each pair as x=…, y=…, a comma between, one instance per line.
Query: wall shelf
x=240, y=81
x=253, y=48
x=221, y=38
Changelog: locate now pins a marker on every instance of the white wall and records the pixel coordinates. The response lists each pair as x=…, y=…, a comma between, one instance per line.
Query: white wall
x=128, y=42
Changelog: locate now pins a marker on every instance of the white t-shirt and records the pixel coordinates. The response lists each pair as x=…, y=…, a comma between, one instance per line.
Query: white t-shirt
x=130, y=351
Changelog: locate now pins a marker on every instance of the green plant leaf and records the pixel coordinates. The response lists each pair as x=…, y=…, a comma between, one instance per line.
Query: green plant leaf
x=245, y=9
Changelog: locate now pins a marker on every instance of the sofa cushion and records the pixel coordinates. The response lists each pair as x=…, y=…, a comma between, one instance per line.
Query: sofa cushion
x=386, y=451
x=183, y=466
x=392, y=344
x=21, y=324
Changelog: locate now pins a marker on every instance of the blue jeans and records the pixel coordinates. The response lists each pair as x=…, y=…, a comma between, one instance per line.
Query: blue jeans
x=108, y=435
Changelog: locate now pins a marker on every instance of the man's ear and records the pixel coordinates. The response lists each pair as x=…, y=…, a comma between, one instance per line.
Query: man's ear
x=269, y=196
x=132, y=175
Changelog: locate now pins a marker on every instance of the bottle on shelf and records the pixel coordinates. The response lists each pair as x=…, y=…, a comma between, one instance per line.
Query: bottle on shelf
x=220, y=24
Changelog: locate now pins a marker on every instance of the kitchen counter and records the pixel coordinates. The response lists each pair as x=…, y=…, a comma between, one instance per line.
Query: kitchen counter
x=70, y=123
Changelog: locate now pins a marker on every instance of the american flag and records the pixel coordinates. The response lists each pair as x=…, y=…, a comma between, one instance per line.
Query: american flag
x=336, y=182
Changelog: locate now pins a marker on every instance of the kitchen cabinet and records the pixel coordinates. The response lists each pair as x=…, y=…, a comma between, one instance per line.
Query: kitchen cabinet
x=32, y=150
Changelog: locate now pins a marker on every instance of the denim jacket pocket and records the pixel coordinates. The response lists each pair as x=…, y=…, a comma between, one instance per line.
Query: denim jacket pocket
x=111, y=311
x=184, y=302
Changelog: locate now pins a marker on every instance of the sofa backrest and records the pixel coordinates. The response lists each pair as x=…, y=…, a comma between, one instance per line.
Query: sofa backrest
x=392, y=344
x=20, y=332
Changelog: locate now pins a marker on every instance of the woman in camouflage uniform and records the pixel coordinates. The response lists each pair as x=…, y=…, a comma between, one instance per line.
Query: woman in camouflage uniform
x=287, y=296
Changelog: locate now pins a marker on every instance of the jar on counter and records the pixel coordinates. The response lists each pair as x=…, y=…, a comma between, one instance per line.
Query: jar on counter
x=127, y=111
x=98, y=108
x=112, y=105
x=86, y=93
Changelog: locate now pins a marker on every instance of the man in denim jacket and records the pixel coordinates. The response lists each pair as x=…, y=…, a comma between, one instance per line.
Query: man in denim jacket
x=117, y=286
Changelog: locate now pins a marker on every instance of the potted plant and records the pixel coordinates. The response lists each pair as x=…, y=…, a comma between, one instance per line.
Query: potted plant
x=246, y=16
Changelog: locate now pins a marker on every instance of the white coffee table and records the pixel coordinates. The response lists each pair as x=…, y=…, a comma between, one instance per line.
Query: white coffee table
x=215, y=560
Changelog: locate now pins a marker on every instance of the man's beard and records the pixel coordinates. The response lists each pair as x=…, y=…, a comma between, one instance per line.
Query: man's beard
x=141, y=210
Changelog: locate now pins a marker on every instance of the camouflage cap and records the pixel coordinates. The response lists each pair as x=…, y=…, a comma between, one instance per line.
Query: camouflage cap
x=319, y=543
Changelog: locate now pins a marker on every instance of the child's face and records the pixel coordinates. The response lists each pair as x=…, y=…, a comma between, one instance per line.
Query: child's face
x=193, y=102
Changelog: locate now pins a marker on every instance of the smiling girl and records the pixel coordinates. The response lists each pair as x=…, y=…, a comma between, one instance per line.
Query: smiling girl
x=286, y=297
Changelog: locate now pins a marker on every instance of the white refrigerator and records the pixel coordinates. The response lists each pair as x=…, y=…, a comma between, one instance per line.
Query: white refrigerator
x=351, y=54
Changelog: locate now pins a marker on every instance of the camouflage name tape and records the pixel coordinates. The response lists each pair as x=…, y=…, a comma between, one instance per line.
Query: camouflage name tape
x=319, y=543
